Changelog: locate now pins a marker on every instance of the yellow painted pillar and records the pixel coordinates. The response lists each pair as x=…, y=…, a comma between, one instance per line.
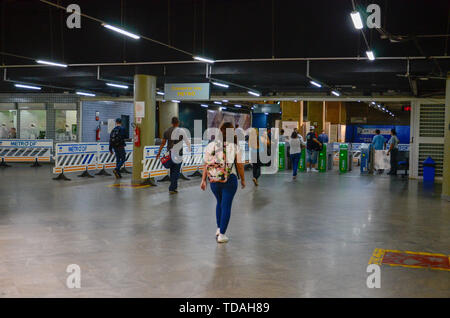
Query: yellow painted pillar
x=316, y=114
x=144, y=91
x=167, y=110
x=446, y=172
x=292, y=111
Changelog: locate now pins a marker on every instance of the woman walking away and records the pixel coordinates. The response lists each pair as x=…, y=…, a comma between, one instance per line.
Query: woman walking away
x=222, y=165
x=253, y=144
x=295, y=145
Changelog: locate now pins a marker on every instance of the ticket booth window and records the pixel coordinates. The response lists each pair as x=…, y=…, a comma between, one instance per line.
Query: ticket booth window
x=33, y=124
x=66, y=125
x=8, y=124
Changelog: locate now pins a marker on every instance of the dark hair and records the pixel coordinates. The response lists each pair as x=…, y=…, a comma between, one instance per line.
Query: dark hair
x=223, y=130
x=118, y=121
x=377, y=131
x=175, y=120
x=282, y=131
x=393, y=132
x=294, y=135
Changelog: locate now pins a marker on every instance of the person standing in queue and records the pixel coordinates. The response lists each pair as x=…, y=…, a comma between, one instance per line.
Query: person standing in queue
x=323, y=137
x=313, y=146
x=295, y=144
x=378, y=143
x=117, y=144
x=175, y=167
x=393, y=152
x=222, y=166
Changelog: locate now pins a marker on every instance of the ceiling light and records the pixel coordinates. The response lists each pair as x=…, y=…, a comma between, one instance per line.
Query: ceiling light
x=225, y=100
x=254, y=93
x=117, y=85
x=27, y=86
x=175, y=101
x=160, y=93
x=220, y=84
x=85, y=94
x=335, y=93
x=203, y=59
x=370, y=55
x=315, y=83
x=217, y=102
x=357, y=21
x=131, y=35
x=204, y=105
x=51, y=63
x=266, y=114
x=373, y=103
x=238, y=106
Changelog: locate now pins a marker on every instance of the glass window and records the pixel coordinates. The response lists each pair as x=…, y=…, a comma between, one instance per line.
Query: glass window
x=8, y=124
x=33, y=124
x=66, y=125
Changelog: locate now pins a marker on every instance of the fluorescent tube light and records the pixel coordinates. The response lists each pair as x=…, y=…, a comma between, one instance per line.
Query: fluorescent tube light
x=335, y=93
x=254, y=93
x=175, y=101
x=116, y=29
x=220, y=84
x=203, y=59
x=225, y=100
x=315, y=83
x=160, y=93
x=370, y=55
x=85, y=94
x=51, y=63
x=218, y=103
x=238, y=106
x=204, y=105
x=357, y=21
x=27, y=86
x=117, y=85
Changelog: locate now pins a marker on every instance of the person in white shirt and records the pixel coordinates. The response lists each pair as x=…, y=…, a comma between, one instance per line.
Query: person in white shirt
x=296, y=143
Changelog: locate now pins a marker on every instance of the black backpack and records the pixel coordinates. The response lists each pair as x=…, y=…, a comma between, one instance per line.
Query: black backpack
x=116, y=139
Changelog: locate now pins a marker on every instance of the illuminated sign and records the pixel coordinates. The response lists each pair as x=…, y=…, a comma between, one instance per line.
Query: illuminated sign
x=187, y=91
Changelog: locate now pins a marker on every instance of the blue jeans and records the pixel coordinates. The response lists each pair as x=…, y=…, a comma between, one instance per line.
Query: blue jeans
x=174, y=175
x=311, y=156
x=295, y=158
x=120, y=157
x=224, y=193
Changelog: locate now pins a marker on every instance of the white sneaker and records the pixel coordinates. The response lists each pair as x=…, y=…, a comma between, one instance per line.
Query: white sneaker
x=217, y=232
x=314, y=170
x=222, y=238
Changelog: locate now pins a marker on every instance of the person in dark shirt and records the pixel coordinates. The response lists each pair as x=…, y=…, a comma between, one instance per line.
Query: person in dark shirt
x=323, y=137
x=117, y=145
x=175, y=167
x=313, y=146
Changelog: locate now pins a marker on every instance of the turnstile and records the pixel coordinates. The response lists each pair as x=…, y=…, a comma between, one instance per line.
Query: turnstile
x=345, y=157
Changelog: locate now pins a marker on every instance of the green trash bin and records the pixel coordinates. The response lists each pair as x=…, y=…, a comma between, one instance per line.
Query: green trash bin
x=343, y=158
x=323, y=159
x=281, y=156
x=302, y=161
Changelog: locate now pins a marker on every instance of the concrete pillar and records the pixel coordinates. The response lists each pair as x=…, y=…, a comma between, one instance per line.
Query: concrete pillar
x=316, y=114
x=144, y=91
x=167, y=110
x=446, y=172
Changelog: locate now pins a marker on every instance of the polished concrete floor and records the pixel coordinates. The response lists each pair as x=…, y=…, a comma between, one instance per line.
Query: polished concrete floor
x=308, y=238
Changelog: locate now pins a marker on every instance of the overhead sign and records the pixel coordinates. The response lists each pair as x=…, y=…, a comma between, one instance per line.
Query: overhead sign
x=266, y=108
x=187, y=91
x=26, y=143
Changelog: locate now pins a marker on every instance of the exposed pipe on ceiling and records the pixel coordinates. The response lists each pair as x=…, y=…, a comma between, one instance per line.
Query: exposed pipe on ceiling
x=280, y=59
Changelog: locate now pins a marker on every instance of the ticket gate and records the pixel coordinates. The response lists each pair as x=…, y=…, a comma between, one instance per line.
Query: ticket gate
x=282, y=156
x=326, y=158
x=365, y=158
x=345, y=157
x=302, y=161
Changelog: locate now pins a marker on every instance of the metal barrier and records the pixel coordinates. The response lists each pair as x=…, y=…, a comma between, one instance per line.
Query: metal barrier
x=193, y=160
x=75, y=157
x=25, y=150
x=106, y=160
x=151, y=167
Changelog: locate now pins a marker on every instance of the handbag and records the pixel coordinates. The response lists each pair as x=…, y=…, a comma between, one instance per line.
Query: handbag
x=166, y=161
